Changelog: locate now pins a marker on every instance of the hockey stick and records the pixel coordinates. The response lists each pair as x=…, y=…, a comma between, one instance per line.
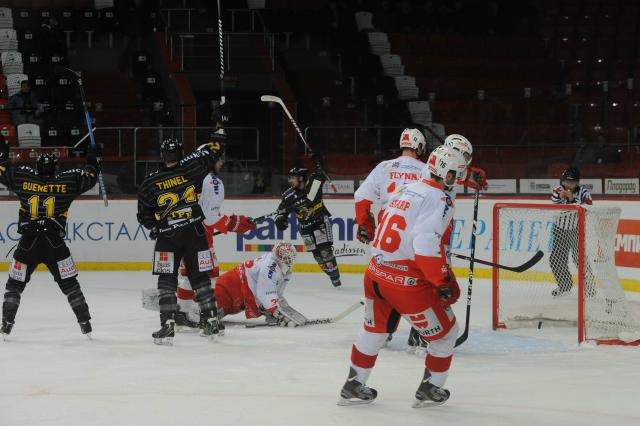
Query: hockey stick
x=329, y=320
x=257, y=219
x=87, y=117
x=465, y=334
x=521, y=268
x=269, y=98
x=221, y=47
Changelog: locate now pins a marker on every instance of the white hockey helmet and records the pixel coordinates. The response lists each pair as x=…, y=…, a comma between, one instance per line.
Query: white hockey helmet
x=414, y=139
x=460, y=143
x=285, y=254
x=443, y=160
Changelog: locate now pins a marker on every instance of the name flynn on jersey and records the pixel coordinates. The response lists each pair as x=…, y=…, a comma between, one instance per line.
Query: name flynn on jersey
x=46, y=188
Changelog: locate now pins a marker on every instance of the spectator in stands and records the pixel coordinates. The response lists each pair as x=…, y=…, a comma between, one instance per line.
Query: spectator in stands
x=24, y=105
x=52, y=36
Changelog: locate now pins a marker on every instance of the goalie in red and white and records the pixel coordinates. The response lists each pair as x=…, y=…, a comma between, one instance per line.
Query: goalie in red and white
x=409, y=277
x=211, y=200
x=255, y=287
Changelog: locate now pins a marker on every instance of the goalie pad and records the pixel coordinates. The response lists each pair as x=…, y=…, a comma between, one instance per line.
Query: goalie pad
x=294, y=317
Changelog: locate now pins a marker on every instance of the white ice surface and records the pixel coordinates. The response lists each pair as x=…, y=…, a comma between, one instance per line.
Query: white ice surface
x=52, y=375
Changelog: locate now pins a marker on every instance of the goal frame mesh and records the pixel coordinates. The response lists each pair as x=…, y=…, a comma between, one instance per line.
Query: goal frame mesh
x=581, y=212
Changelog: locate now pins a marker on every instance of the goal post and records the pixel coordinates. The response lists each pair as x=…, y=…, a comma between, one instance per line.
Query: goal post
x=576, y=282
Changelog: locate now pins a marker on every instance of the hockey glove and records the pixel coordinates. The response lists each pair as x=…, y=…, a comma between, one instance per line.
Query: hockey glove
x=281, y=320
x=449, y=293
x=476, y=178
x=367, y=229
x=282, y=222
x=153, y=233
x=240, y=224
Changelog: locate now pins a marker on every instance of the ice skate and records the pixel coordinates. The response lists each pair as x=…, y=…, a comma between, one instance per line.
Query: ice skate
x=182, y=321
x=430, y=395
x=355, y=393
x=6, y=328
x=416, y=345
x=165, y=335
x=85, y=328
x=210, y=326
x=336, y=283
x=561, y=291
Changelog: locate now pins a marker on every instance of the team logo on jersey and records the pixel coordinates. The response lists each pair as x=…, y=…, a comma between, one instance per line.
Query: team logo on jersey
x=205, y=262
x=272, y=269
x=163, y=262
x=18, y=271
x=67, y=268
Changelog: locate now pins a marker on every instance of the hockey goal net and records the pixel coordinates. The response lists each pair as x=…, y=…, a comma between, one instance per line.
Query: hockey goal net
x=574, y=284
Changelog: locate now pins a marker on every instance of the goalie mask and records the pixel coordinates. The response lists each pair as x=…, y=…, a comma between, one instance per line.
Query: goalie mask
x=171, y=150
x=46, y=165
x=444, y=160
x=285, y=254
x=460, y=143
x=413, y=139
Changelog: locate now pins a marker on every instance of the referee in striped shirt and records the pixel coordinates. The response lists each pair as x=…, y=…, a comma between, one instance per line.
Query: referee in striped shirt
x=565, y=232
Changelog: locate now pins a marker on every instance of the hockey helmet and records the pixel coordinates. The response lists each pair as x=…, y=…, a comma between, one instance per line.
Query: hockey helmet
x=299, y=172
x=285, y=254
x=460, y=143
x=443, y=160
x=171, y=150
x=46, y=165
x=413, y=139
x=571, y=174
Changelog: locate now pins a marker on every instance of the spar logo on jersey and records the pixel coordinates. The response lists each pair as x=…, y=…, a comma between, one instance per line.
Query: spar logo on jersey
x=216, y=184
x=205, y=262
x=272, y=270
x=18, y=271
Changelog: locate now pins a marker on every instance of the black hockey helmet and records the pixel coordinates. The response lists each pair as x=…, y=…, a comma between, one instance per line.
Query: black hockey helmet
x=571, y=174
x=299, y=172
x=46, y=165
x=171, y=150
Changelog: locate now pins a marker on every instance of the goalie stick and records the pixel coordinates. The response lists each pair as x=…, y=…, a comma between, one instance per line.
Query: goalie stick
x=270, y=98
x=316, y=321
x=520, y=268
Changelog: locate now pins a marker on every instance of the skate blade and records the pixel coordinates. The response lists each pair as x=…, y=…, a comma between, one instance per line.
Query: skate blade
x=348, y=402
x=5, y=337
x=89, y=336
x=163, y=341
x=426, y=404
x=212, y=337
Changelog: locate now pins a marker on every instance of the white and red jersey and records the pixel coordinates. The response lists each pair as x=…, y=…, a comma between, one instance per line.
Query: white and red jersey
x=384, y=180
x=266, y=281
x=211, y=199
x=407, y=247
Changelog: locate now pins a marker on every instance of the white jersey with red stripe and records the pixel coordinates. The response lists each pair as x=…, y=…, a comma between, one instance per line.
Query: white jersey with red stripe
x=407, y=247
x=266, y=280
x=389, y=176
x=211, y=199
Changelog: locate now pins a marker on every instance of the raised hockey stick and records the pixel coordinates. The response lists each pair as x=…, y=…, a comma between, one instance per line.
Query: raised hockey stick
x=221, y=47
x=270, y=98
x=328, y=320
x=465, y=334
x=87, y=117
x=520, y=268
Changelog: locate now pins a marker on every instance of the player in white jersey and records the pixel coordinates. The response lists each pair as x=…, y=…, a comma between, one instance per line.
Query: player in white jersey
x=386, y=178
x=409, y=277
x=211, y=200
x=257, y=287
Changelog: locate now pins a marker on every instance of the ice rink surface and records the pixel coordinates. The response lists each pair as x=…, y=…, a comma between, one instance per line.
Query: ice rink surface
x=52, y=375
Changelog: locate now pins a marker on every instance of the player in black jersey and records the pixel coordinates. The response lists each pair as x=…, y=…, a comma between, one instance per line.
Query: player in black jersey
x=45, y=197
x=168, y=206
x=305, y=199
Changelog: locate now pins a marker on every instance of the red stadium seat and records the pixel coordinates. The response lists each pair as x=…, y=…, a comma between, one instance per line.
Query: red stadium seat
x=9, y=132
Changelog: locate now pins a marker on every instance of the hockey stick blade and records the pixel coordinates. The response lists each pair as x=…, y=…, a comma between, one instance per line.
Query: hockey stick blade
x=269, y=98
x=521, y=268
x=317, y=321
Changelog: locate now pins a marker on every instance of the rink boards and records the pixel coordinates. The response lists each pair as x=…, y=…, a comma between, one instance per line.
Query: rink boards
x=111, y=239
